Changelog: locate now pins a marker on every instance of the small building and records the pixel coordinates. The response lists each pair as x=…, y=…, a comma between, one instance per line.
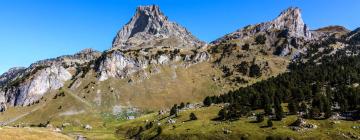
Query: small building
x=130, y=117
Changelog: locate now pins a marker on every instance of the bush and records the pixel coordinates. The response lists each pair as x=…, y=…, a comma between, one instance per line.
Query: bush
x=255, y=71
x=245, y=47
x=259, y=118
x=207, y=102
x=193, y=116
x=260, y=39
x=174, y=110
x=159, y=130
x=269, y=123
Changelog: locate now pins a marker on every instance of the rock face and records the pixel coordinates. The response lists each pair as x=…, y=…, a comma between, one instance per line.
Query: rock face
x=149, y=27
x=123, y=64
x=26, y=86
x=50, y=78
x=289, y=20
x=10, y=74
x=354, y=36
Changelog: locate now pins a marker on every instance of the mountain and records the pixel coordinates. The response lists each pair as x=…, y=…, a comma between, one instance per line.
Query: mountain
x=155, y=63
x=149, y=27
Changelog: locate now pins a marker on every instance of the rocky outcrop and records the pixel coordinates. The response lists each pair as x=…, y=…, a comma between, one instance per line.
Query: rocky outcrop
x=10, y=74
x=26, y=86
x=31, y=90
x=124, y=64
x=354, y=37
x=149, y=27
x=289, y=20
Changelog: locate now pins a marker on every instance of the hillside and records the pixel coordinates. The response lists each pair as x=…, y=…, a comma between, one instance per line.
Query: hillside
x=318, y=98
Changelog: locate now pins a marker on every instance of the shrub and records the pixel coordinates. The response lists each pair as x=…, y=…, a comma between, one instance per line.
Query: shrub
x=260, y=39
x=269, y=123
x=193, y=116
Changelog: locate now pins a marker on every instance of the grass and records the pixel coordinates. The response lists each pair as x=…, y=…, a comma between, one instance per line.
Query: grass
x=8, y=133
x=205, y=128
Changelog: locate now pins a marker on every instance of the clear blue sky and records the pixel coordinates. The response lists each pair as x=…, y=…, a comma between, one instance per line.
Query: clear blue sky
x=32, y=30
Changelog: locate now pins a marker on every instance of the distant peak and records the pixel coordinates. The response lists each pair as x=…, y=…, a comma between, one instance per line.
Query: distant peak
x=290, y=12
x=290, y=16
x=291, y=20
x=148, y=25
x=149, y=9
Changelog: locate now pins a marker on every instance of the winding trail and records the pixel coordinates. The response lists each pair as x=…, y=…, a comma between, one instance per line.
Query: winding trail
x=7, y=122
x=87, y=103
x=21, y=116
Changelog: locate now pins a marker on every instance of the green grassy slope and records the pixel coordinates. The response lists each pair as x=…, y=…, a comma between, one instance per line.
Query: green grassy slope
x=205, y=128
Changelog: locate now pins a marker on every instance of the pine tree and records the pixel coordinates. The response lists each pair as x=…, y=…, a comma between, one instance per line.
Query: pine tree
x=293, y=107
x=222, y=114
x=182, y=105
x=278, y=109
x=259, y=118
x=303, y=107
x=267, y=105
x=173, y=110
x=159, y=131
x=327, y=107
x=207, y=101
x=269, y=123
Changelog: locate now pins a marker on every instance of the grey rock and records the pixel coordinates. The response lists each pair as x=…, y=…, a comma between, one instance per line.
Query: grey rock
x=10, y=74
x=289, y=19
x=149, y=27
x=26, y=86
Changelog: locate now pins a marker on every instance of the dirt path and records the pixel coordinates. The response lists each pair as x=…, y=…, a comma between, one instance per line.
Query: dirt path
x=22, y=115
x=87, y=103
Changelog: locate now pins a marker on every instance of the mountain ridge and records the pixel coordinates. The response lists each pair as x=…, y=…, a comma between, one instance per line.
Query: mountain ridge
x=129, y=57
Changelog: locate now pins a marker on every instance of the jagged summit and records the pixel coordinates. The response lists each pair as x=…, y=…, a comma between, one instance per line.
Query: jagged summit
x=149, y=27
x=289, y=19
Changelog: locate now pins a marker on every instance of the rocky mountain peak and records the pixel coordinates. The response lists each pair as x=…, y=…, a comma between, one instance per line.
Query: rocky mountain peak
x=149, y=27
x=11, y=73
x=291, y=20
x=292, y=15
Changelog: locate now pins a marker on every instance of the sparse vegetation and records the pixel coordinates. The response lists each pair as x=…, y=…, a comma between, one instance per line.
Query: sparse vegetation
x=260, y=39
